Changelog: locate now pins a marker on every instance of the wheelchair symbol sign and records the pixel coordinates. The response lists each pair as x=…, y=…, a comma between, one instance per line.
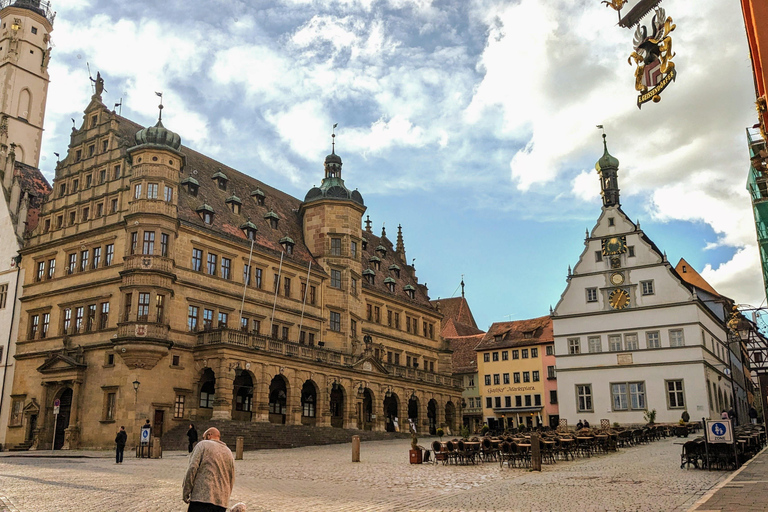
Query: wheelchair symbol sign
x=719, y=431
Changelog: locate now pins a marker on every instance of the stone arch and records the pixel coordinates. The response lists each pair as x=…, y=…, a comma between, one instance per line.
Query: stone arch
x=309, y=402
x=432, y=416
x=450, y=416
x=337, y=399
x=391, y=407
x=206, y=393
x=242, y=395
x=278, y=399
x=24, y=106
x=413, y=411
x=365, y=411
x=64, y=395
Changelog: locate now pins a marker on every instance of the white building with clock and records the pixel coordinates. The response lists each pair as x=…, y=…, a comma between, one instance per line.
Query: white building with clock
x=631, y=334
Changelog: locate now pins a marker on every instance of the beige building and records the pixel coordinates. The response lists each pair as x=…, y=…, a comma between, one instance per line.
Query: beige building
x=164, y=285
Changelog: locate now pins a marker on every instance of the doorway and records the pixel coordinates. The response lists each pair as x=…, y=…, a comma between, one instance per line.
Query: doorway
x=157, y=427
x=62, y=423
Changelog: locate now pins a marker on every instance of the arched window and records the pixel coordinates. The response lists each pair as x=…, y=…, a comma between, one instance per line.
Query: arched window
x=207, y=389
x=25, y=104
x=308, y=400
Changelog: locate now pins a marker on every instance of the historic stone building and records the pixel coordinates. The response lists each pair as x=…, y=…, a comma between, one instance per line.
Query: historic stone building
x=25, y=28
x=164, y=285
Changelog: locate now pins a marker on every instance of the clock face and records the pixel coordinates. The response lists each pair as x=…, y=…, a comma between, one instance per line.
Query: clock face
x=617, y=278
x=614, y=245
x=619, y=299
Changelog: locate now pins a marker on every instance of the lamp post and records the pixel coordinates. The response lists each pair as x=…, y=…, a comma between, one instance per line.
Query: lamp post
x=136, y=384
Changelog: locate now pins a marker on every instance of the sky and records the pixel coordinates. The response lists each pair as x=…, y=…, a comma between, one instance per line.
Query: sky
x=471, y=123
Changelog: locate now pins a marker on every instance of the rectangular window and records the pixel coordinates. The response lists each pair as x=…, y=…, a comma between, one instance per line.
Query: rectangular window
x=574, y=345
x=487, y=357
x=535, y=375
x=66, y=320
x=652, y=339
x=287, y=286
x=90, y=323
x=495, y=356
x=598, y=256
x=109, y=406
x=178, y=407
x=335, y=278
x=353, y=286
x=534, y=352
x=71, y=263
x=496, y=379
x=104, y=318
x=116, y=172
x=79, y=319
x=505, y=355
x=223, y=319
x=550, y=350
x=527, y=400
x=424, y=332
x=51, y=268
x=353, y=328
x=149, y=243
x=488, y=402
x=353, y=249
x=164, y=244
x=247, y=274
x=43, y=328
x=553, y=396
x=516, y=377
x=584, y=397
x=110, y=254
x=128, y=303
x=497, y=401
x=285, y=333
x=113, y=206
x=207, y=319
x=335, y=246
x=335, y=321
x=397, y=320
x=551, y=372
x=85, y=214
x=312, y=294
x=257, y=277
x=102, y=176
x=507, y=401
x=676, y=338
x=256, y=326
x=614, y=342
x=515, y=354
x=591, y=294
x=526, y=376
x=151, y=190
x=226, y=266
x=96, y=257
x=647, y=287
x=487, y=380
x=142, y=313
x=72, y=216
x=99, y=209
x=137, y=191
x=134, y=242
x=630, y=342
x=34, y=324
x=595, y=344
x=3, y=295
x=160, y=308
x=537, y=400
x=84, y=260
x=211, y=269
x=518, y=401
x=276, y=283
x=675, y=394
x=524, y=353
x=631, y=251
x=628, y=395
x=168, y=194
x=88, y=181
x=376, y=314
x=40, y=271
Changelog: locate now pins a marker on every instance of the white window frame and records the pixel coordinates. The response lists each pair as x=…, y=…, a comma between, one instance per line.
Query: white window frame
x=677, y=394
x=631, y=342
x=591, y=294
x=614, y=342
x=584, y=402
x=647, y=287
x=674, y=340
x=653, y=339
x=574, y=346
x=595, y=344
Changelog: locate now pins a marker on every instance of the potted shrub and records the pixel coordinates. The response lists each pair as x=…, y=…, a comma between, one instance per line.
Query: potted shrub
x=485, y=429
x=440, y=433
x=650, y=416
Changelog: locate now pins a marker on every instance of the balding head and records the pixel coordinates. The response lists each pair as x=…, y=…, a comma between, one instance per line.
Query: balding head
x=212, y=434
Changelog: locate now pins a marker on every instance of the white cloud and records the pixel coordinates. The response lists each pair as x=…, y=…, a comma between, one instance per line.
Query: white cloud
x=739, y=278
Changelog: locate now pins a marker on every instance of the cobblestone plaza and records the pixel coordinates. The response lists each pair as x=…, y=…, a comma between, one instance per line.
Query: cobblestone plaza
x=323, y=478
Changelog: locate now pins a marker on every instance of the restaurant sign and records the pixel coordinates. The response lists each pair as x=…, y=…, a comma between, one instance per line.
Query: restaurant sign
x=510, y=389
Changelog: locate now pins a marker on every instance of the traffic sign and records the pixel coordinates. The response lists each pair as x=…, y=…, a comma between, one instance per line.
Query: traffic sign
x=145, y=435
x=719, y=431
x=56, y=406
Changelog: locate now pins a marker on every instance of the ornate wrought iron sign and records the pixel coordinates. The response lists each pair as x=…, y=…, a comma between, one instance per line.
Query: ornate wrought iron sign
x=653, y=57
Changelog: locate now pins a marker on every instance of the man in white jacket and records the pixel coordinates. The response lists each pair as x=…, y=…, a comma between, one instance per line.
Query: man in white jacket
x=210, y=476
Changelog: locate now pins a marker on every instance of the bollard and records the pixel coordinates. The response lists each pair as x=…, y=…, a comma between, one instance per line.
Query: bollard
x=535, y=453
x=239, y=448
x=157, y=450
x=355, y=448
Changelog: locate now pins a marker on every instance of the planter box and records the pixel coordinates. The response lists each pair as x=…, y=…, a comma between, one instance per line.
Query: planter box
x=415, y=456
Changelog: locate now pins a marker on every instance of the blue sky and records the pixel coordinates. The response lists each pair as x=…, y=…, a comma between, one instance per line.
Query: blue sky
x=469, y=122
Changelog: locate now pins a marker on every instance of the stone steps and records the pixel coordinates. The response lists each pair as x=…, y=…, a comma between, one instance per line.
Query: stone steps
x=265, y=436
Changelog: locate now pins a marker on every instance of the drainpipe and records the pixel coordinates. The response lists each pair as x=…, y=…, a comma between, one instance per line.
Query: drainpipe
x=16, y=258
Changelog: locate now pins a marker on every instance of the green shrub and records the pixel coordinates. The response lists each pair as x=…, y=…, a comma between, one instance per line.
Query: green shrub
x=440, y=433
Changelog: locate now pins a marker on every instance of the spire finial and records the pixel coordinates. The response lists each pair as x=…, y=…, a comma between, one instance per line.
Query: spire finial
x=400, y=246
x=160, y=106
x=368, y=224
x=333, y=138
x=462, y=286
x=383, y=230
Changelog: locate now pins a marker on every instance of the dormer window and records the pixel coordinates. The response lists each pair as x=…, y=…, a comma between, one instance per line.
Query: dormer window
x=410, y=291
x=381, y=251
x=528, y=334
x=395, y=270
x=272, y=218
x=369, y=275
x=497, y=338
x=287, y=243
x=390, y=283
x=249, y=228
x=206, y=213
x=221, y=179
x=191, y=184
x=258, y=196
x=375, y=262
x=234, y=204
x=365, y=244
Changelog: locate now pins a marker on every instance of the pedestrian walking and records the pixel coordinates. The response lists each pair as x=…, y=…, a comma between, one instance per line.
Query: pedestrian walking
x=724, y=415
x=732, y=416
x=210, y=475
x=120, y=439
x=753, y=415
x=192, y=435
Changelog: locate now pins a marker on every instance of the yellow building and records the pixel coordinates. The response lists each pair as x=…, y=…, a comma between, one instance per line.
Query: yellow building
x=163, y=285
x=515, y=366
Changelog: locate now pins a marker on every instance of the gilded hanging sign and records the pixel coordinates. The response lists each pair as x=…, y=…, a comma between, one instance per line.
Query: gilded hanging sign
x=653, y=58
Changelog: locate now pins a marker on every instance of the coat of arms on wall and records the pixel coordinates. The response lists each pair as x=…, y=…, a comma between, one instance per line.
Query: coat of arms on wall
x=653, y=57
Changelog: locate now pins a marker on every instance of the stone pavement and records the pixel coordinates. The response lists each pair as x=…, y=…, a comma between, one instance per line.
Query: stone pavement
x=746, y=490
x=323, y=478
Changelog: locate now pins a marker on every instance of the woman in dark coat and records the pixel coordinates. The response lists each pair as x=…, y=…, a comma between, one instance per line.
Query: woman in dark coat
x=192, y=435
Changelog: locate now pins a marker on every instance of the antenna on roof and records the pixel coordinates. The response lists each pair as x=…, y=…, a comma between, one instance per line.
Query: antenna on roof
x=160, y=106
x=462, y=286
x=333, y=138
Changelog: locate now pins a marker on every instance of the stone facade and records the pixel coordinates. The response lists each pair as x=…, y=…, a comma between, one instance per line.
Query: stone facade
x=172, y=299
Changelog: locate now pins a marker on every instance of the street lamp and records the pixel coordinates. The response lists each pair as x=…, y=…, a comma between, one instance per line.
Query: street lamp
x=136, y=384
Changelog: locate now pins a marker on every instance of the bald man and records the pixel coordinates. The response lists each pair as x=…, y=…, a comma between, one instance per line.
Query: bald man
x=210, y=476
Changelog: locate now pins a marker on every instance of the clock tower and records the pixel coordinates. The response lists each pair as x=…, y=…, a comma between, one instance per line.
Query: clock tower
x=25, y=50
x=608, y=169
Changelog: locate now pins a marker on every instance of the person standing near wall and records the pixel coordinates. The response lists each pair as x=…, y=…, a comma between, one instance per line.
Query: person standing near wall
x=120, y=439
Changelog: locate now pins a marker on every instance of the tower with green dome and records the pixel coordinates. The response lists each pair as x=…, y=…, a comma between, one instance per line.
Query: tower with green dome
x=608, y=168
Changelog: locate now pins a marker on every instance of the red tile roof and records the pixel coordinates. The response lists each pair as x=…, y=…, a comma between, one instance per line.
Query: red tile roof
x=688, y=274
x=36, y=186
x=457, y=317
x=464, y=357
x=519, y=333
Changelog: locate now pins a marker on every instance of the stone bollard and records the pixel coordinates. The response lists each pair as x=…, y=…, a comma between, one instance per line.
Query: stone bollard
x=157, y=449
x=239, y=448
x=535, y=452
x=355, y=448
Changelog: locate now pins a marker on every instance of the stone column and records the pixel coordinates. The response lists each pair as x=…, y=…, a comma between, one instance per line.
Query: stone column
x=261, y=398
x=222, y=404
x=293, y=403
x=323, y=402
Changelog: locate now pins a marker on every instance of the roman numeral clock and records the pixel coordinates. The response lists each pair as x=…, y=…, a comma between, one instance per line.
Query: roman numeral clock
x=613, y=248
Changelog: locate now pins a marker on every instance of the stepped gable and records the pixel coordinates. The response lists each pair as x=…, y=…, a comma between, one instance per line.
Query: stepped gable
x=34, y=184
x=407, y=272
x=518, y=333
x=225, y=221
x=464, y=358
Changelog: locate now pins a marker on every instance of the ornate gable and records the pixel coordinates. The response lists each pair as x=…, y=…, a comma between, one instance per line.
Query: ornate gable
x=371, y=365
x=61, y=362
